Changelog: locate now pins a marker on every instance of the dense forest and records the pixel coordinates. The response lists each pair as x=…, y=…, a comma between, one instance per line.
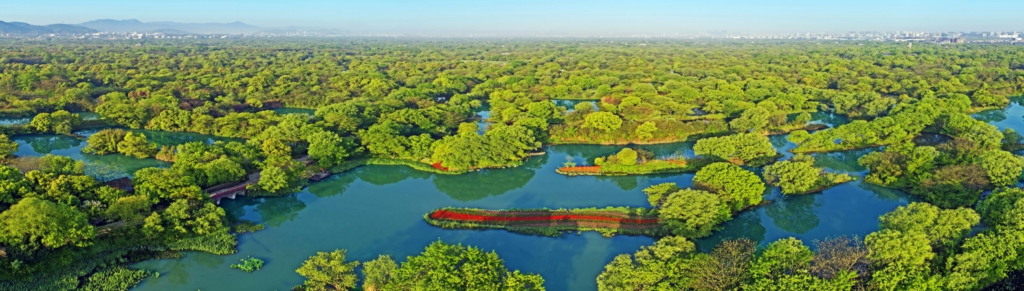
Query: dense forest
x=415, y=103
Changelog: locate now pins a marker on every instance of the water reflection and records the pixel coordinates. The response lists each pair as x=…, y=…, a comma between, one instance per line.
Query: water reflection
x=375, y=175
x=1010, y=117
x=279, y=209
x=293, y=111
x=15, y=120
x=570, y=105
x=335, y=185
x=827, y=118
x=62, y=145
x=176, y=138
x=484, y=113
x=844, y=162
x=794, y=214
x=485, y=183
x=46, y=143
x=745, y=225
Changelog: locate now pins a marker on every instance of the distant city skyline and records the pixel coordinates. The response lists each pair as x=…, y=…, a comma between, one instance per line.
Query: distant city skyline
x=543, y=18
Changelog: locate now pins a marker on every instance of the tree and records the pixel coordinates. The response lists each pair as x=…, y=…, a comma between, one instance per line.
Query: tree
x=1003, y=208
x=42, y=122
x=12, y=185
x=60, y=122
x=454, y=267
x=943, y=228
x=34, y=222
x=783, y=257
x=220, y=171
x=64, y=122
x=185, y=217
x=377, y=273
x=327, y=148
x=657, y=194
x=738, y=148
x=646, y=130
x=129, y=209
x=737, y=188
x=900, y=259
x=329, y=269
x=752, y=120
x=626, y=157
x=276, y=153
x=7, y=147
x=692, y=213
x=104, y=142
x=1003, y=168
x=61, y=165
x=793, y=177
x=725, y=268
x=273, y=179
x=784, y=266
x=136, y=145
x=657, y=267
x=798, y=136
x=835, y=256
x=602, y=120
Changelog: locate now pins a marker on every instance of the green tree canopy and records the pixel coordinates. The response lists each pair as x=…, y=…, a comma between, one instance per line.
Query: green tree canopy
x=736, y=187
x=329, y=269
x=34, y=223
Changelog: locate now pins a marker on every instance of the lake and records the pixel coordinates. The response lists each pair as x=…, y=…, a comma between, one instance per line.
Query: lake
x=376, y=210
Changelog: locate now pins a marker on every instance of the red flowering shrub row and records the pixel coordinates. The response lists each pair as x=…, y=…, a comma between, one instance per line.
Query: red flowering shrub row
x=581, y=169
x=444, y=214
x=609, y=221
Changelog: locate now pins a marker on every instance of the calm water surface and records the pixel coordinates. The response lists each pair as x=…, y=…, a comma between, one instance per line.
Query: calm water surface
x=377, y=210
x=62, y=145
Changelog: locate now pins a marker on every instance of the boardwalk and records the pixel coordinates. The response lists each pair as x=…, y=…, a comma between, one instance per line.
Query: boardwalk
x=230, y=191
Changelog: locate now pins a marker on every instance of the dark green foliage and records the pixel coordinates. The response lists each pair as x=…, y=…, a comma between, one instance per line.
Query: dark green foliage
x=7, y=147
x=454, y=267
x=114, y=279
x=799, y=176
x=498, y=147
x=743, y=148
x=693, y=213
x=60, y=122
x=736, y=187
x=246, y=226
x=249, y=265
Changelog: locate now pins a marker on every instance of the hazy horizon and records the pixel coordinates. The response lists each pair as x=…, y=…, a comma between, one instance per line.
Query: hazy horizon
x=534, y=17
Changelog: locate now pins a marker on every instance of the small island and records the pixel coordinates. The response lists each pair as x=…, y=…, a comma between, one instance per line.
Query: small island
x=798, y=176
x=632, y=162
x=720, y=191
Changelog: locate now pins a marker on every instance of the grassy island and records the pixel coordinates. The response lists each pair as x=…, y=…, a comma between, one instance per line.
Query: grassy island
x=632, y=162
x=799, y=176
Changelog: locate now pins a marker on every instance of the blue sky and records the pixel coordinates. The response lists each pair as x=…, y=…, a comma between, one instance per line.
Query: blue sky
x=535, y=17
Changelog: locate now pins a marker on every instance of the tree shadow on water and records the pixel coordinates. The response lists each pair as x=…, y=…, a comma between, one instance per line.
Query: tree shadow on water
x=486, y=183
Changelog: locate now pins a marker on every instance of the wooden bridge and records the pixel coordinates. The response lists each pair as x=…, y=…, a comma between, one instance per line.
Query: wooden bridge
x=232, y=190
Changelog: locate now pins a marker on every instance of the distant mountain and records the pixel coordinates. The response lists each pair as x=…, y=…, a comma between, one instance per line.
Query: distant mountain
x=21, y=28
x=132, y=25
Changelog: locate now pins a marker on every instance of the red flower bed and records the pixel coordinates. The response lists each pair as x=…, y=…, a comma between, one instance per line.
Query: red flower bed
x=451, y=215
x=438, y=166
x=586, y=169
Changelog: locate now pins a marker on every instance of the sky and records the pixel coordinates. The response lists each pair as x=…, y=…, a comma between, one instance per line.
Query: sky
x=541, y=18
